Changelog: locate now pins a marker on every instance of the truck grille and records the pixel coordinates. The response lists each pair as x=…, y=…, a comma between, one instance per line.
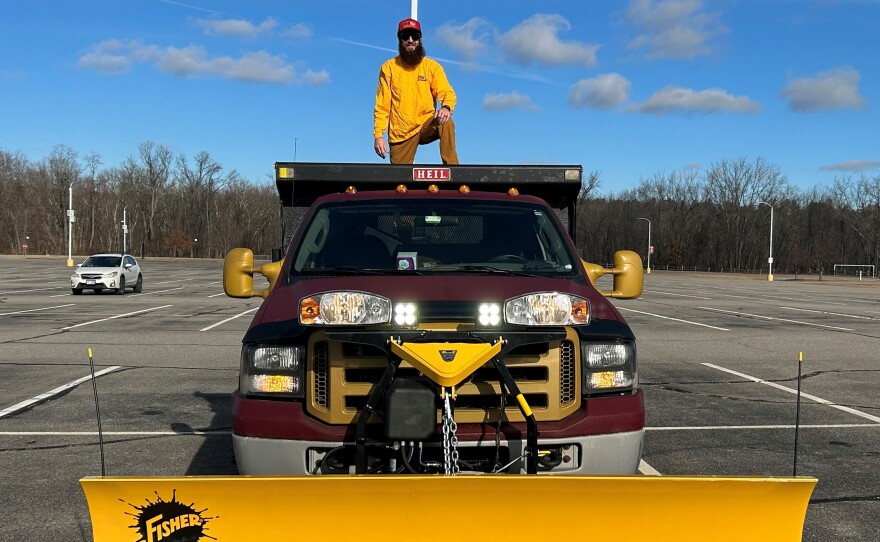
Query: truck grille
x=341, y=375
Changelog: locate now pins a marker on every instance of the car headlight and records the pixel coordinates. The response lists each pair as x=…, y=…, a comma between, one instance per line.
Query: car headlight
x=608, y=367
x=272, y=370
x=547, y=309
x=345, y=309
x=111, y=274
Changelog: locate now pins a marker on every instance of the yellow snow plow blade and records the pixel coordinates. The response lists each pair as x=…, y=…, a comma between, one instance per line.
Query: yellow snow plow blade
x=373, y=507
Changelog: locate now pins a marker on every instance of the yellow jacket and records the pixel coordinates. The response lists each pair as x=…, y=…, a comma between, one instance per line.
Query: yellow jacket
x=407, y=97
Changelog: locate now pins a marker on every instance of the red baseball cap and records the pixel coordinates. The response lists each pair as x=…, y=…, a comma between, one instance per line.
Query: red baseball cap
x=409, y=24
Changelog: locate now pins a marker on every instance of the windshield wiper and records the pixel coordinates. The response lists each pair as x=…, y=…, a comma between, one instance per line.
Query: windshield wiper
x=348, y=270
x=486, y=269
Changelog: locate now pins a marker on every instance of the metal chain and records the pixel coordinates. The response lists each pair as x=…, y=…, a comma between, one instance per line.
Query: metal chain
x=447, y=463
x=450, y=440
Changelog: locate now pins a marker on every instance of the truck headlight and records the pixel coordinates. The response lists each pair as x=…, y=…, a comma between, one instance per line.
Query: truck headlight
x=272, y=370
x=609, y=367
x=547, y=309
x=344, y=308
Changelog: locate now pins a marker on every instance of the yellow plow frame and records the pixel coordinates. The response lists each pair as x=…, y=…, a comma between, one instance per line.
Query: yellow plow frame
x=485, y=508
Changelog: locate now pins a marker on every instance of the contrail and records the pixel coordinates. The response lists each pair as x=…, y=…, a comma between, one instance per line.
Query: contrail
x=181, y=4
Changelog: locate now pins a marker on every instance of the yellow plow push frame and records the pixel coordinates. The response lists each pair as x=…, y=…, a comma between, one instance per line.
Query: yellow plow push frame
x=484, y=508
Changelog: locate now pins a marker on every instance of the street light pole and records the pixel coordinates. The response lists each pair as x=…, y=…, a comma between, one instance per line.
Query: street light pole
x=124, y=231
x=70, y=221
x=649, y=242
x=770, y=259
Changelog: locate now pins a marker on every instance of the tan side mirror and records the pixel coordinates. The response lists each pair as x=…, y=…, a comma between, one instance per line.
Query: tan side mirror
x=629, y=279
x=238, y=274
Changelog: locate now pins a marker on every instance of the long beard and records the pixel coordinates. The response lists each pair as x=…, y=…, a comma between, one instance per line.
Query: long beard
x=413, y=58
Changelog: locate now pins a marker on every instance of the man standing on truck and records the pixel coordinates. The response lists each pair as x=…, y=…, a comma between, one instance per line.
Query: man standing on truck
x=410, y=86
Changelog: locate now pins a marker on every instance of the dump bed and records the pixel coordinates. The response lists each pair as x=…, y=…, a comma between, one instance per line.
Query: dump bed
x=300, y=183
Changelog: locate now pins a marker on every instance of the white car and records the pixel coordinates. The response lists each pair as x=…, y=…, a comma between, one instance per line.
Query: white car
x=107, y=272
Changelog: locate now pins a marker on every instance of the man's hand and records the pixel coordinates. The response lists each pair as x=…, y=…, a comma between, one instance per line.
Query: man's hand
x=442, y=115
x=381, y=148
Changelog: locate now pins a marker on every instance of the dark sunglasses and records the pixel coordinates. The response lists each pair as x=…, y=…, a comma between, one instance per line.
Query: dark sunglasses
x=407, y=34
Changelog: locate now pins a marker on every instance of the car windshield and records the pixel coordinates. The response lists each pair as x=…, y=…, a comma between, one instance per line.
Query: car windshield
x=440, y=236
x=102, y=261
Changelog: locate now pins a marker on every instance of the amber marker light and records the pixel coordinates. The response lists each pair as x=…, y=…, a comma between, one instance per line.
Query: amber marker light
x=513, y=192
x=401, y=188
x=433, y=189
x=309, y=310
x=465, y=189
x=351, y=190
x=580, y=311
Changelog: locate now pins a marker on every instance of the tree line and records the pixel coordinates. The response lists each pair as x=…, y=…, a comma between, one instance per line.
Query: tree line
x=716, y=219
x=719, y=219
x=172, y=205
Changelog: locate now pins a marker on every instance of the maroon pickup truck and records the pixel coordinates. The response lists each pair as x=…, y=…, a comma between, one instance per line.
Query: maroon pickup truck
x=434, y=320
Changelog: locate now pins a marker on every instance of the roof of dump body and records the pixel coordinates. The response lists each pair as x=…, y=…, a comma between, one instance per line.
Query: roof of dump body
x=558, y=185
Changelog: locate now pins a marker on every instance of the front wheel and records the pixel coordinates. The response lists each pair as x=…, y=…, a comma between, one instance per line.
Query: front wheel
x=139, y=285
x=76, y=291
x=121, y=289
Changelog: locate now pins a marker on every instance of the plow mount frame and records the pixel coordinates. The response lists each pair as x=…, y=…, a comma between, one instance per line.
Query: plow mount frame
x=509, y=340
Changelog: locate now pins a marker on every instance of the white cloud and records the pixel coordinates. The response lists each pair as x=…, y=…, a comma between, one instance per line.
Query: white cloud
x=299, y=31
x=256, y=67
x=853, y=165
x=604, y=92
x=688, y=101
x=536, y=40
x=106, y=57
x=676, y=29
x=833, y=89
x=469, y=40
x=236, y=28
x=505, y=102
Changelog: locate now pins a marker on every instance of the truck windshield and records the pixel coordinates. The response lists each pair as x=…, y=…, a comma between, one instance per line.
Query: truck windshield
x=440, y=236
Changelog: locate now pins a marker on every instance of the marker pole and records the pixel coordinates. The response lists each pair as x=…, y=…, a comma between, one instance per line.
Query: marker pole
x=97, y=412
x=797, y=419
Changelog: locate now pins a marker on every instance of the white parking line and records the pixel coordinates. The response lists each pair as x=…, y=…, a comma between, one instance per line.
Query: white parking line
x=117, y=316
x=678, y=295
x=830, y=313
x=35, y=310
x=794, y=391
x=158, y=291
x=647, y=469
x=675, y=319
x=212, y=326
x=755, y=427
x=26, y=291
x=218, y=295
x=775, y=319
x=112, y=433
x=60, y=389
x=170, y=281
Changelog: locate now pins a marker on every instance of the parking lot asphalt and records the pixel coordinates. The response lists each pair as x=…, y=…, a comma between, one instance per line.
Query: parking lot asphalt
x=718, y=360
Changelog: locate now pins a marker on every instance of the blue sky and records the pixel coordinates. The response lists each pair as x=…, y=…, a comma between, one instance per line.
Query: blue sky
x=625, y=88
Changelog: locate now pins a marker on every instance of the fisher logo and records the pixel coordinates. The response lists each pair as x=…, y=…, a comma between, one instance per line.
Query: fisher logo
x=169, y=521
x=448, y=355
